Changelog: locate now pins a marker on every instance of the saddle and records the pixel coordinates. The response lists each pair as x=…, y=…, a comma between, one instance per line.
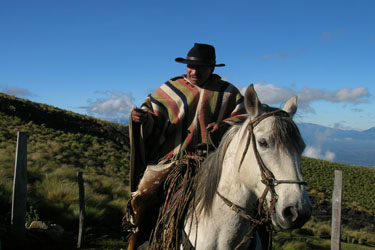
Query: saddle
x=141, y=215
x=159, y=206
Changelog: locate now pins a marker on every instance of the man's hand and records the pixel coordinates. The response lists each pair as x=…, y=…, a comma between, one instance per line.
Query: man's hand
x=138, y=115
x=212, y=127
x=217, y=130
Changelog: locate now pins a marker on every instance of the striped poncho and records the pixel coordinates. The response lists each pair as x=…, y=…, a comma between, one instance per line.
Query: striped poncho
x=179, y=113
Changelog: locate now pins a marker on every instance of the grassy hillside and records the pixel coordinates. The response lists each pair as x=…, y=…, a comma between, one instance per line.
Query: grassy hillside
x=60, y=143
x=358, y=183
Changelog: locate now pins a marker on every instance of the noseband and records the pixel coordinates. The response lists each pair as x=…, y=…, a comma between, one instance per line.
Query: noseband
x=263, y=216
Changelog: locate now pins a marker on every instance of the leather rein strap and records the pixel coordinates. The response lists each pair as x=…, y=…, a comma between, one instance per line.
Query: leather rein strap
x=263, y=216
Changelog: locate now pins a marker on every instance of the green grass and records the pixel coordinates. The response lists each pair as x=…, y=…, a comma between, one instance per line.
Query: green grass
x=358, y=183
x=54, y=157
x=316, y=234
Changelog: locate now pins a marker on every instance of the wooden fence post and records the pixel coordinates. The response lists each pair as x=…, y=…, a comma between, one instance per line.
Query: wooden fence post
x=82, y=213
x=18, y=217
x=336, y=212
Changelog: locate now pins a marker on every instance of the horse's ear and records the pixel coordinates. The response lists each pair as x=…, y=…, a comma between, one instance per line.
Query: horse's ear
x=252, y=103
x=291, y=106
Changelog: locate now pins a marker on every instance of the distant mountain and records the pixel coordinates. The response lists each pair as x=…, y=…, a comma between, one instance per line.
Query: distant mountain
x=343, y=146
x=370, y=131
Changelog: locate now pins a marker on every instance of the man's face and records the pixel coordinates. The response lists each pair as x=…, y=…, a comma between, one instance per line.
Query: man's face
x=198, y=74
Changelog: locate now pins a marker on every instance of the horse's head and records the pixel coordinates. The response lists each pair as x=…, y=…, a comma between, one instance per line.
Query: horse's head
x=270, y=158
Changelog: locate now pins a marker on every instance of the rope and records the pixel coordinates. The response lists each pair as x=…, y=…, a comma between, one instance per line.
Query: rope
x=170, y=224
x=209, y=140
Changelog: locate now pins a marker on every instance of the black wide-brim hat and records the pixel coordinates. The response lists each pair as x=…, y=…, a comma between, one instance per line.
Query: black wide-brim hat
x=200, y=54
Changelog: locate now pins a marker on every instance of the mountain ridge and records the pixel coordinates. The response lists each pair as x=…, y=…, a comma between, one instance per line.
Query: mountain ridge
x=350, y=147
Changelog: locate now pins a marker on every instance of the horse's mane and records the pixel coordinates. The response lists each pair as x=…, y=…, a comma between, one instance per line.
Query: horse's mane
x=285, y=133
x=210, y=172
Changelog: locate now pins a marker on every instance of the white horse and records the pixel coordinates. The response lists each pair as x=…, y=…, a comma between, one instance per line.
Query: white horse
x=253, y=176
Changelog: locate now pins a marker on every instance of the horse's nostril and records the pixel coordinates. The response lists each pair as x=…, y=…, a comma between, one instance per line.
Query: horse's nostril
x=290, y=214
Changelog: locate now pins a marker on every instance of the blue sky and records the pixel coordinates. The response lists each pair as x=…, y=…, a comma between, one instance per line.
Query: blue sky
x=103, y=57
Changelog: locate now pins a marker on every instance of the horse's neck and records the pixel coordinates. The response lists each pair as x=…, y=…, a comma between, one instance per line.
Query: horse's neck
x=223, y=228
x=230, y=185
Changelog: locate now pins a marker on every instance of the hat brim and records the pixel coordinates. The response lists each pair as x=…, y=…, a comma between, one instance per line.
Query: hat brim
x=194, y=62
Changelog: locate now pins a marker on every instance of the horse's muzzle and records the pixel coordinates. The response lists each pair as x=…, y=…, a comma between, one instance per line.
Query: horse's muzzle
x=292, y=216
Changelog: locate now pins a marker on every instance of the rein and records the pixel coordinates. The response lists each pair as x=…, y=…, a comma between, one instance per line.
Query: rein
x=263, y=216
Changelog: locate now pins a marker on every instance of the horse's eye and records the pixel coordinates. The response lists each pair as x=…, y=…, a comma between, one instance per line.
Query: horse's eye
x=263, y=143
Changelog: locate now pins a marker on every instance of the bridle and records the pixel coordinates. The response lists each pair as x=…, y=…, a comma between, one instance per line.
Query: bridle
x=263, y=216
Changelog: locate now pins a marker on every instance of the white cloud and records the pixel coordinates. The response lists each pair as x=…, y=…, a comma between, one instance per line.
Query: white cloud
x=316, y=152
x=115, y=107
x=272, y=94
x=356, y=95
x=353, y=96
x=117, y=104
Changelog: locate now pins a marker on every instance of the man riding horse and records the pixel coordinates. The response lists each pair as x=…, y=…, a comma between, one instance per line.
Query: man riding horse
x=183, y=114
